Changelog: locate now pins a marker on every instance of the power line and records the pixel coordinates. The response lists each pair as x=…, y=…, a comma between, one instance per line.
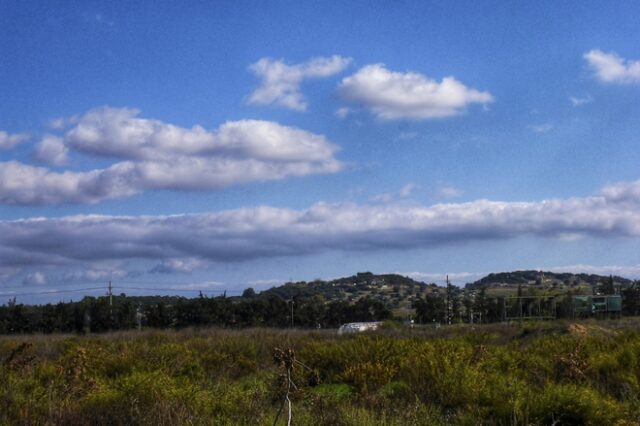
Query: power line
x=159, y=289
x=75, y=290
x=167, y=283
x=203, y=290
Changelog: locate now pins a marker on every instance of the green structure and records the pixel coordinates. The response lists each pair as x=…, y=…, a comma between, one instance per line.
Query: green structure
x=587, y=306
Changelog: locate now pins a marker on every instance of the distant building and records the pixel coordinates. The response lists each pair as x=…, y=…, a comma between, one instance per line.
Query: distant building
x=357, y=327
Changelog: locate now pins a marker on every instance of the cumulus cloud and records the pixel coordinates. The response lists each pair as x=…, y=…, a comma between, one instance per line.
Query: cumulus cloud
x=10, y=141
x=156, y=155
x=281, y=82
x=408, y=95
x=23, y=184
x=52, y=150
x=611, y=68
x=120, y=133
x=623, y=192
x=263, y=232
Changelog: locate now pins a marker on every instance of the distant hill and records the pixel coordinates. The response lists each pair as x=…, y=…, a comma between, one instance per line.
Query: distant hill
x=543, y=279
x=395, y=290
x=398, y=292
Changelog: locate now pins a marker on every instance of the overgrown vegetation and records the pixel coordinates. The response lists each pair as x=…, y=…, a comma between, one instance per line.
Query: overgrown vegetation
x=536, y=374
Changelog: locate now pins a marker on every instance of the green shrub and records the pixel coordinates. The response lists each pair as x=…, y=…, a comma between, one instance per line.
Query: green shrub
x=458, y=376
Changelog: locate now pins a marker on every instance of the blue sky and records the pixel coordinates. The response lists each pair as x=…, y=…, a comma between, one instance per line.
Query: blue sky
x=221, y=145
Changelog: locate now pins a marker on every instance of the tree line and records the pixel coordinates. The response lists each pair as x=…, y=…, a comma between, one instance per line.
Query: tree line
x=99, y=314
x=444, y=305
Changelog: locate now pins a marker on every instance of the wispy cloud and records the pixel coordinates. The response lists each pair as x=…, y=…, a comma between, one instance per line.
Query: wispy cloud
x=343, y=112
x=402, y=193
x=97, y=274
x=407, y=135
x=541, y=128
x=281, y=82
x=446, y=191
x=408, y=95
x=174, y=266
x=10, y=141
x=579, y=101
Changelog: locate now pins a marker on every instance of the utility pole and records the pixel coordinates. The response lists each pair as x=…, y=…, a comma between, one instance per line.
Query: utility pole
x=449, y=301
x=110, y=293
x=139, y=316
x=292, y=326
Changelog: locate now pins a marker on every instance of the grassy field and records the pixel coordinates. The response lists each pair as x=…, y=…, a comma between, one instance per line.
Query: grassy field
x=535, y=374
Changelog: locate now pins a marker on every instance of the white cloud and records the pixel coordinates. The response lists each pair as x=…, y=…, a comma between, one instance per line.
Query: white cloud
x=10, y=141
x=409, y=95
x=62, y=123
x=262, y=232
x=445, y=191
x=22, y=184
x=623, y=192
x=631, y=271
x=156, y=155
x=407, y=189
x=389, y=197
x=577, y=101
x=343, y=112
x=120, y=133
x=281, y=82
x=52, y=150
x=35, y=279
x=57, y=124
x=611, y=68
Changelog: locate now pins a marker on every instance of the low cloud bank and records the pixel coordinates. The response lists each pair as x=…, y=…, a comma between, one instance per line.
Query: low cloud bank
x=262, y=232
